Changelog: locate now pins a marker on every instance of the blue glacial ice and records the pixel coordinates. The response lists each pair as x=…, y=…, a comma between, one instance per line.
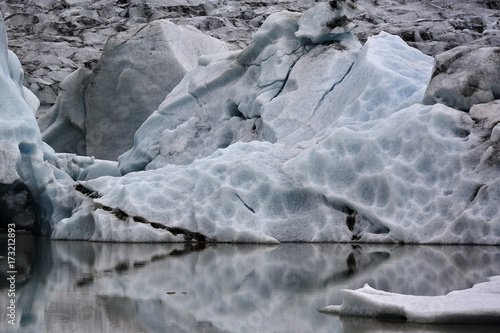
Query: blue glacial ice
x=21, y=147
x=305, y=135
x=26, y=161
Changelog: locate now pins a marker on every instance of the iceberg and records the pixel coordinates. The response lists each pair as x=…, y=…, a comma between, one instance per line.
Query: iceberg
x=21, y=148
x=306, y=135
x=217, y=174
x=31, y=173
x=477, y=305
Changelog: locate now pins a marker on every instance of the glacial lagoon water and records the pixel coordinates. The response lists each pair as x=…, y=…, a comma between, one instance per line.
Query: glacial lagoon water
x=73, y=286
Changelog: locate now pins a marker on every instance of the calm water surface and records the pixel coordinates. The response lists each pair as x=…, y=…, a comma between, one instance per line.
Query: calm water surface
x=70, y=286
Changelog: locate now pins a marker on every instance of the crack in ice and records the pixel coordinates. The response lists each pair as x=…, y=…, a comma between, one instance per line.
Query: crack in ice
x=320, y=102
x=188, y=235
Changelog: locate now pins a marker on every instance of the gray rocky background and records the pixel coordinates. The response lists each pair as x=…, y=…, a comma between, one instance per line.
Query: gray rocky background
x=54, y=38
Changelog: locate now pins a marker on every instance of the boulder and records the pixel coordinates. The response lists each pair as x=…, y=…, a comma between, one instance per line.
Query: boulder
x=465, y=76
x=138, y=68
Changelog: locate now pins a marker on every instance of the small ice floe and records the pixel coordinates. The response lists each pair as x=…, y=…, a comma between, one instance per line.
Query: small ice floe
x=477, y=305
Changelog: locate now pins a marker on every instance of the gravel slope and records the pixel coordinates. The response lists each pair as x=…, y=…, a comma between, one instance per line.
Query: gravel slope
x=54, y=38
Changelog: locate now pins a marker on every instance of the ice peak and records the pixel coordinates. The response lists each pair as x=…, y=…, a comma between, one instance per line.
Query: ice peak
x=327, y=21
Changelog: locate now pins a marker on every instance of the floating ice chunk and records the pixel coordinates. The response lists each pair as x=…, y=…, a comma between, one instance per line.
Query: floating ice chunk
x=477, y=305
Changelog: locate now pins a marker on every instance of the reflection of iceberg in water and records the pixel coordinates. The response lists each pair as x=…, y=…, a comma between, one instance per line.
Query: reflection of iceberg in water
x=102, y=287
